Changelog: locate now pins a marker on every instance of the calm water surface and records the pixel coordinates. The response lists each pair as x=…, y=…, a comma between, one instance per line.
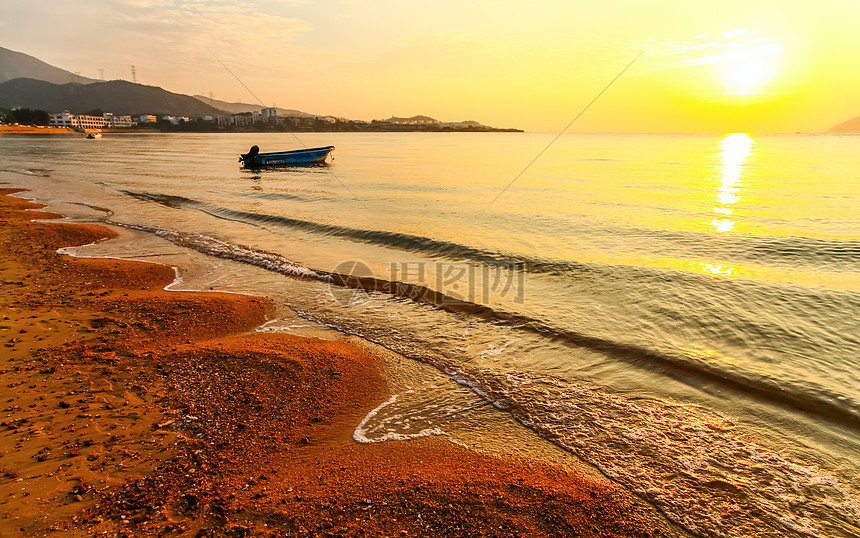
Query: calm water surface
x=679, y=311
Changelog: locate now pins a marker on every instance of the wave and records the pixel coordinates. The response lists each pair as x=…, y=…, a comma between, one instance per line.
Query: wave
x=272, y=196
x=412, y=243
x=777, y=250
x=677, y=365
x=38, y=172
x=696, y=467
x=774, y=249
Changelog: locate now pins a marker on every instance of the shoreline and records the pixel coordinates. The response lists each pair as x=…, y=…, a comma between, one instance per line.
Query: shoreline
x=133, y=409
x=169, y=129
x=32, y=129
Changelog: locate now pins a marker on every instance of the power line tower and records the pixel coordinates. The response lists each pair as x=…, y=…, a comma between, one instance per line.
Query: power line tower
x=211, y=95
x=133, y=75
x=102, y=73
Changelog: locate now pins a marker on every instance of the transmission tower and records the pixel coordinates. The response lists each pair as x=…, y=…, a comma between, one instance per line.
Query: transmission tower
x=102, y=73
x=133, y=75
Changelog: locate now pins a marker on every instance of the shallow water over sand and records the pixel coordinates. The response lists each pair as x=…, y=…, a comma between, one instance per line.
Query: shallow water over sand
x=679, y=311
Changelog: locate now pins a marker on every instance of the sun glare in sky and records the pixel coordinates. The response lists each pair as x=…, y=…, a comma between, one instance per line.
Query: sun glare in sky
x=749, y=75
x=763, y=66
x=746, y=77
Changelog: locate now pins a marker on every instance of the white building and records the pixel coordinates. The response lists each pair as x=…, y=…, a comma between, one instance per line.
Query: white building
x=61, y=120
x=76, y=121
x=112, y=120
x=242, y=119
x=176, y=120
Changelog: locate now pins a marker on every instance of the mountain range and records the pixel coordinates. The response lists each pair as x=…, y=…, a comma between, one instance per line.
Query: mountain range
x=118, y=96
x=17, y=65
x=237, y=108
x=28, y=82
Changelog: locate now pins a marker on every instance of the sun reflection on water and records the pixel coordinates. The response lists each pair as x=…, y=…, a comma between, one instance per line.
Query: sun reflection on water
x=716, y=268
x=734, y=150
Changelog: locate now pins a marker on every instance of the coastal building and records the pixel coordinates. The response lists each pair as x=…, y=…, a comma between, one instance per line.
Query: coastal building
x=242, y=119
x=112, y=120
x=61, y=120
x=76, y=121
x=176, y=120
x=83, y=121
x=147, y=118
x=301, y=121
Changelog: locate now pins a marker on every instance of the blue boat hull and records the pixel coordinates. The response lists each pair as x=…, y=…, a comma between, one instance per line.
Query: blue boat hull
x=286, y=158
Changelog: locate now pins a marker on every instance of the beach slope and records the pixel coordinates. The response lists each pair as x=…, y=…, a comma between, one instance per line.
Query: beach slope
x=129, y=409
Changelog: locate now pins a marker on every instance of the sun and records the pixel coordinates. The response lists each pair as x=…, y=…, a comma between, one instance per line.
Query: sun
x=748, y=75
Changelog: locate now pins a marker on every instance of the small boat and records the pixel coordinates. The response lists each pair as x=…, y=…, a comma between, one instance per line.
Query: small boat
x=94, y=135
x=255, y=159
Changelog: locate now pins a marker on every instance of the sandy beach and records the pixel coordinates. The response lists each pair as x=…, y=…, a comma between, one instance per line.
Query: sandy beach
x=31, y=129
x=130, y=410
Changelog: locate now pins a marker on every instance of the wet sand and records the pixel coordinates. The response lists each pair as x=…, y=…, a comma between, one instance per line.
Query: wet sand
x=129, y=409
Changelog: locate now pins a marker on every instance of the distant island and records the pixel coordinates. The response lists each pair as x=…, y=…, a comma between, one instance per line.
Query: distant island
x=33, y=92
x=850, y=126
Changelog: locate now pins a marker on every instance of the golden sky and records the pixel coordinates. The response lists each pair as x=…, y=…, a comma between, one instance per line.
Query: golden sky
x=756, y=66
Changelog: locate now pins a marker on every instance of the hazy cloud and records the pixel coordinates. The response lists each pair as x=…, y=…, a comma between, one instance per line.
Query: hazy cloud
x=168, y=41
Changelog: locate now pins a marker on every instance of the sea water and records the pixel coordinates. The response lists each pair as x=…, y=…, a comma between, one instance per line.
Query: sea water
x=680, y=311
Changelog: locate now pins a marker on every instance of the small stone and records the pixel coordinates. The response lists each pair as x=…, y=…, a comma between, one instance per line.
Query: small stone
x=238, y=532
x=188, y=503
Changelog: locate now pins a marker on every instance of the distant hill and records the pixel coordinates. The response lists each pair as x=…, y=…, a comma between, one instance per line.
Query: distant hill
x=28, y=82
x=19, y=65
x=117, y=96
x=413, y=120
x=850, y=126
x=236, y=108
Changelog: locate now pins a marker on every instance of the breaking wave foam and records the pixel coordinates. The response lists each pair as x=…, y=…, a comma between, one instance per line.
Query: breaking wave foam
x=696, y=466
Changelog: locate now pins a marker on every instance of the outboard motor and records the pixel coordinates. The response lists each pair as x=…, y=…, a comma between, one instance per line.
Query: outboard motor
x=248, y=158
